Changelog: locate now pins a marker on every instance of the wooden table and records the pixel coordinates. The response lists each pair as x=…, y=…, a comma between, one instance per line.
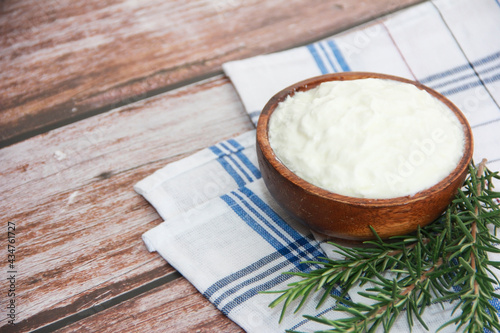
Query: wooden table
x=95, y=96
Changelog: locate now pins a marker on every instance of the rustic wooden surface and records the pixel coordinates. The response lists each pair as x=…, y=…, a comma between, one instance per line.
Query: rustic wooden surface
x=81, y=237
x=61, y=61
x=82, y=264
x=174, y=307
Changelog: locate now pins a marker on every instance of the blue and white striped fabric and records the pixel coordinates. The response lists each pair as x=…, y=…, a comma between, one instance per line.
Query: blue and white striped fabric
x=205, y=175
x=222, y=229
x=235, y=246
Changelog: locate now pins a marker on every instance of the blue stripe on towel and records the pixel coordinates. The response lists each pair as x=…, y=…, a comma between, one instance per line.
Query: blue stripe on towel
x=487, y=59
x=251, y=280
x=285, y=244
x=304, y=321
x=249, y=164
x=230, y=170
x=241, y=273
x=488, y=70
x=464, y=77
x=226, y=152
x=463, y=87
x=232, y=149
x=458, y=69
x=289, y=244
x=271, y=213
x=257, y=227
x=235, y=144
x=312, y=251
x=254, y=291
x=230, y=157
x=330, y=61
x=340, y=58
x=445, y=73
x=492, y=79
x=216, y=150
x=317, y=58
x=243, y=158
x=248, y=273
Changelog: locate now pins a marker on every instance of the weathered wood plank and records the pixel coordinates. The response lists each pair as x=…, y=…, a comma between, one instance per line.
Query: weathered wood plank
x=174, y=307
x=149, y=130
x=69, y=191
x=61, y=61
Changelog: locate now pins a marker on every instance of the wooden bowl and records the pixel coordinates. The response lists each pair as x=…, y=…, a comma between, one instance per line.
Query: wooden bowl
x=348, y=218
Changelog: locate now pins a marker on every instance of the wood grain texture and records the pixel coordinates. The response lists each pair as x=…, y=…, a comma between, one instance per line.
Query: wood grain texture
x=70, y=192
x=61, y=61
x=175, y=307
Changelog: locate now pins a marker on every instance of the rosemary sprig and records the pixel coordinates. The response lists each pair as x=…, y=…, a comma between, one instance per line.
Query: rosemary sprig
x=444, y=261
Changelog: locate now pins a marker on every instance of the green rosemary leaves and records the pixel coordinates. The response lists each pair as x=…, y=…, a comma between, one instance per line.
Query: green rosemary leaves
x=444, y=261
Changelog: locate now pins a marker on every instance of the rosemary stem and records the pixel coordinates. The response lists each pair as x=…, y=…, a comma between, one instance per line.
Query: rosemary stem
x=480, y=171
x=405, y=292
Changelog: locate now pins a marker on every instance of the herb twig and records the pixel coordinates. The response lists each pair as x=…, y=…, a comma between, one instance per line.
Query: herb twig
x=444, y=261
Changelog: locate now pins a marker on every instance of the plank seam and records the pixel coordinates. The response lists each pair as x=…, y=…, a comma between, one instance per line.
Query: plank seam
x=109, y=303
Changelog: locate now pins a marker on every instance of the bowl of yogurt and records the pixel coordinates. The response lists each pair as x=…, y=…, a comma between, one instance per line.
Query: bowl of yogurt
x=347, y=152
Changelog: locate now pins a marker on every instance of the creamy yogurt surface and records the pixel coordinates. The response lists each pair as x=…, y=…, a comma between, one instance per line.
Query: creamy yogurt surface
x=367, y=138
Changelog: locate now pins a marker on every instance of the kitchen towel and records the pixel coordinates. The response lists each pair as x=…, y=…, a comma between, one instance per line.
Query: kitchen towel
x=224, y=232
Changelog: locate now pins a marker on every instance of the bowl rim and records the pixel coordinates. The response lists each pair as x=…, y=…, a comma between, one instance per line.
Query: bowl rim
x=268, y=153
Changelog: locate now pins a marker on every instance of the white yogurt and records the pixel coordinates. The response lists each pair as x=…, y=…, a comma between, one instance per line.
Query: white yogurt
x=367, y=138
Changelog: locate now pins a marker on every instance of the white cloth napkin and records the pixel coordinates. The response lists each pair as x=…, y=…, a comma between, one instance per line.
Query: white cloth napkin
x=222, y=229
